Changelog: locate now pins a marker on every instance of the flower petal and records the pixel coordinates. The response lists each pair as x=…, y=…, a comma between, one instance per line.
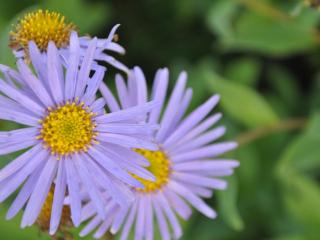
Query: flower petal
x=39, y=193
x=58, y=198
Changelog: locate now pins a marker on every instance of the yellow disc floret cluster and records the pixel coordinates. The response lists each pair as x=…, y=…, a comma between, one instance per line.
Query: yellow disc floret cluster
x=68, y=129
x=41, y=27
x=44, y=217
x=159, y=166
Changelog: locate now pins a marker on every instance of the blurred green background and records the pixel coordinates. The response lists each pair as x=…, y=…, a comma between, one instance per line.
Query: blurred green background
x=263, y=58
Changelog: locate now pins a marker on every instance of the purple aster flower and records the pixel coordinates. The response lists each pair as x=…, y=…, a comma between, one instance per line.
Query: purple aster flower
x=72, y=144
x=42, y=27
x=187, y=166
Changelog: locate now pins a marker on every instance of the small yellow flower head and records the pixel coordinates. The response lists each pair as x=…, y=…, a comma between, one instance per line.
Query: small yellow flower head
x=41, y=27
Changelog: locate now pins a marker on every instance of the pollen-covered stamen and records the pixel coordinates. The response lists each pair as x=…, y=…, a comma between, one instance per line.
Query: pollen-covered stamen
x=68, y=129
x=41, y=27
x=44, y=217
x=159, y=167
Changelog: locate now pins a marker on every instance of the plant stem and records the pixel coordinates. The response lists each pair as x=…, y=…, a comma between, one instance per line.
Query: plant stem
x=280, y=126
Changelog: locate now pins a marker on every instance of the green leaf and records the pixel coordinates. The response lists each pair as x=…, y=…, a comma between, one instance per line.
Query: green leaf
x=270, y=35
x=303, y=154
x=244, y=70
x=204, y=228
x=220, y=17
x=6, y=56
x=227, y=201
x=302, y=197
x=285, y=85
x=291, y=237
x=11, y=229
x=242, y=102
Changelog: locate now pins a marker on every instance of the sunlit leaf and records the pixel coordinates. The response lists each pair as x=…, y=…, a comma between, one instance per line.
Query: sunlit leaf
x=270, y=36
x=242, y=102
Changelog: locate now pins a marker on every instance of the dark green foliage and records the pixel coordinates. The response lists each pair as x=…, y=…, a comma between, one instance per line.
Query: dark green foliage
x=262, y=57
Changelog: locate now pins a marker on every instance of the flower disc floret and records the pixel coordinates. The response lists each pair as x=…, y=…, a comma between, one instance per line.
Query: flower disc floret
x=68, y=129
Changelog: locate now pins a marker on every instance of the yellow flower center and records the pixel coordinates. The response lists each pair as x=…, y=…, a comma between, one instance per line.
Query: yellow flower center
x=68, y=129
x=41, y=27
x=159, y=166
x=43, y=220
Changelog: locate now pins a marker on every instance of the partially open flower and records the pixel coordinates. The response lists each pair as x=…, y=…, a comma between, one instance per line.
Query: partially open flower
x=43, y=27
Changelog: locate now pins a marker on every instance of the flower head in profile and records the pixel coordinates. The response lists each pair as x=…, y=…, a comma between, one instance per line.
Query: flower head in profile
x=187, y=166
x=41, y=27
x=72, y=144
